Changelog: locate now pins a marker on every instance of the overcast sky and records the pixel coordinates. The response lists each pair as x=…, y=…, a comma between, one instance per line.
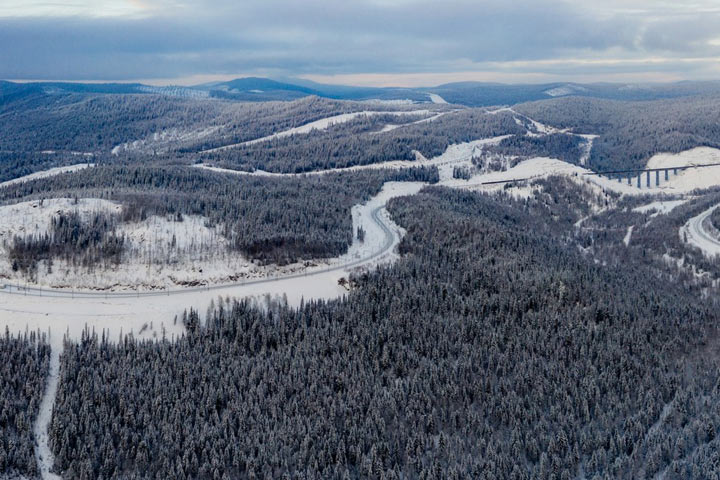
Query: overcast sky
x=367, y=42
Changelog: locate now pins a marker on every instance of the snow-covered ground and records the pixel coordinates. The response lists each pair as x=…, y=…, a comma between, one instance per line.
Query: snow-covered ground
x=322, y=124
x=628, y=235
x=435, y=98
x=660, y=206
x=692, y=178
x=46, y=173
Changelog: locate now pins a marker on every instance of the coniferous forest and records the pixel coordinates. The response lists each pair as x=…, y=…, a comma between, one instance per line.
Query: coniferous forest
x=499, y=324
x=24, y=361
x=490, y=350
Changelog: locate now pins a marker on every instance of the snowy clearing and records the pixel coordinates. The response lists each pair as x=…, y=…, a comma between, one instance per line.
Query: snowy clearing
x=47, y=173
x=435, y=98
x=322, y=124
x=660, y=207
x=587, y=148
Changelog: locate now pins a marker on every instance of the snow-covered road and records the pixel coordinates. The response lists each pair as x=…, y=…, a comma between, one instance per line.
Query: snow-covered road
x=696, y=233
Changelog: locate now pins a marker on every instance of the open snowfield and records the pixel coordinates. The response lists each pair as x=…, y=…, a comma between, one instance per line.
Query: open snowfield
x=322, y=124
x=435, y=98
x=46, y=173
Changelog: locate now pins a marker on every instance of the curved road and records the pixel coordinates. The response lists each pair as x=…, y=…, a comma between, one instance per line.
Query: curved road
x=388, y=244
x=697, y=234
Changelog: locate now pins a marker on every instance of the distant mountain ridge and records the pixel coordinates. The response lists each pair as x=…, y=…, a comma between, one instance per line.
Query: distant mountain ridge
x=256, y=89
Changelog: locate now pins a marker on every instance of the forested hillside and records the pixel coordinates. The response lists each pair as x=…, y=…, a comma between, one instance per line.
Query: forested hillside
x=632, y=132
x=493, y=349
x=24, y=361
x=358, y=143
x=278, y=220
x=97, y=123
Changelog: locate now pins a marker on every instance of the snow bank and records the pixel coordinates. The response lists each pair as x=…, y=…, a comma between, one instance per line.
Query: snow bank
x=47, y=173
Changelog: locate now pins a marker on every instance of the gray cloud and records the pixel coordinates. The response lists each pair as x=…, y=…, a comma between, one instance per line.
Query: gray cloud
x=286, y=37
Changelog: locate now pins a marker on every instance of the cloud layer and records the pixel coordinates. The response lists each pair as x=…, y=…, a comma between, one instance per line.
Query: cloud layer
x=382, y=41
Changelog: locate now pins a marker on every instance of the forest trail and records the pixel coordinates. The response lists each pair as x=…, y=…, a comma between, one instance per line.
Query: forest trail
x=43, y=453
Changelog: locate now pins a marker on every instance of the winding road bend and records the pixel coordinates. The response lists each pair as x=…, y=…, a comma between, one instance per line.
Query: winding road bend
x=695, y=230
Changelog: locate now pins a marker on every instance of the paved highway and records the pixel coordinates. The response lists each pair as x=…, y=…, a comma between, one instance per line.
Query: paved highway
x=698, y=235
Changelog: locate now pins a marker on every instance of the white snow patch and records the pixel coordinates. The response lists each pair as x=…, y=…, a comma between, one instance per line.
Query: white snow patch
x=33, y=217
x=628, y=235
x=377, y=101
x=435, y=98
x=46, y=173
x=564, y=90
x=587, y=148
x=660, y=207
